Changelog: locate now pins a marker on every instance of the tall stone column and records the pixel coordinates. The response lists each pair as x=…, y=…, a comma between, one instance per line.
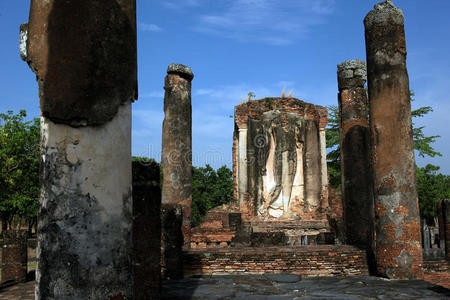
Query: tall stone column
x=356, y=171
x=444, y=226
x=398, y=241
x=312, y=164
x=242, y=167
x=84, y=57
x=176, y=163
x=323, y=121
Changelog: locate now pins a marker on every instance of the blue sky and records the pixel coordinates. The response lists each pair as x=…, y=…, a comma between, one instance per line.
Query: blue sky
x=263, y=46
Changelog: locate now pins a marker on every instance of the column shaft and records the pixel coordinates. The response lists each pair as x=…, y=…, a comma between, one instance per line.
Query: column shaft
x=84, y=56
x=398, y=240
x=176, y=164
x=356, y=171
x=84, y=225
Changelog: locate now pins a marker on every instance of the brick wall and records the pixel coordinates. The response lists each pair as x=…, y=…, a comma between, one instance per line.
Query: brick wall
x=309, y=261
x=436, y=266
x=14, y=255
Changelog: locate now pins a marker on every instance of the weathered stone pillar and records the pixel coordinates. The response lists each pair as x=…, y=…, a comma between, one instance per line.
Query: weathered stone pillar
x=445, y=230
x=354, y=135
x=242, y=166
x=240, y=163
x=323, y=121
x=398, y=241
x=14, y=255
x=176, y=163
x=176, y=160
x=146, y=230
x=84, y=57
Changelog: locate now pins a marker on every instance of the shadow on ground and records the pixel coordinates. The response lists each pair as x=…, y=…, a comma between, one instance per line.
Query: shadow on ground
x=294, y=287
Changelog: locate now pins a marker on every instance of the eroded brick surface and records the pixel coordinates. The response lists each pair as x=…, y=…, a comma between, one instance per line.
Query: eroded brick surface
x=308, y=261
x=14, y=255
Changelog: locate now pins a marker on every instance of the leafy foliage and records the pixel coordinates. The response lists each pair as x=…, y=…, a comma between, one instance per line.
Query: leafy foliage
x=209, y=189
x=423, y=143
x=334, y=154
x=432, y=188
x=19, y=165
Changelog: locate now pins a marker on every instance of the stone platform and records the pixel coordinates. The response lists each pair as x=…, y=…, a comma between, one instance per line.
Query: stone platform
x=224, y=227
x=262, y=287
x=284, y=286
x=307, y=261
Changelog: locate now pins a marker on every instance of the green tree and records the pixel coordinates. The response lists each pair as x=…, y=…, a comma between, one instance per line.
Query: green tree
x=431, y=187
x=422, y=143
x=209, y=189
x=334, y=150
x=19, y=165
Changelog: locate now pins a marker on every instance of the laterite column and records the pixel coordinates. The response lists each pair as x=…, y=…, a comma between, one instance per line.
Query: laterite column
x=84, y=56
x=355, y=157
x=176, y=163
x=397, y=226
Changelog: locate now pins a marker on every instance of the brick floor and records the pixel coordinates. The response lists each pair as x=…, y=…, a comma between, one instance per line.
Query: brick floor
x=442, y=279
x=21, y=291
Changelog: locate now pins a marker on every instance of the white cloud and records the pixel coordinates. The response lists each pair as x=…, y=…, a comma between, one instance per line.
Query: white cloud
x=180, y=4
x=149, y=27
x=285, y=84
x=272, y=22
x=150, y=121
x=212, y=126
x=152, y=94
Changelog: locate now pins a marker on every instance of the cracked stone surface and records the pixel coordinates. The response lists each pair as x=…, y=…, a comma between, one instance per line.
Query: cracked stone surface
x=294, y=287
x=280, y=286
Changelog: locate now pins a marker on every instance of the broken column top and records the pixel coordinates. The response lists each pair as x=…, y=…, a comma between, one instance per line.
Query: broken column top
x=384, y=13
x=181, y=70
x=84, y=54
x=352, y=74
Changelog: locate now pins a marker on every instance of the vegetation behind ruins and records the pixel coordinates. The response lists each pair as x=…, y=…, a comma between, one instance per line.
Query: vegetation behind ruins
x=210, y=188
x=431, y=186
x=19, y=177
x=19, y=165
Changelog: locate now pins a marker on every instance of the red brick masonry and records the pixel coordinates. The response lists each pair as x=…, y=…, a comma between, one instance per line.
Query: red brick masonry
x=309, y=261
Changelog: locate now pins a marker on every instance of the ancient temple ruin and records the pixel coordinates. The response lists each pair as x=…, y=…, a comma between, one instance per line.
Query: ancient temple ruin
x=280, y=179
x=279, y=160
x=101, y=218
